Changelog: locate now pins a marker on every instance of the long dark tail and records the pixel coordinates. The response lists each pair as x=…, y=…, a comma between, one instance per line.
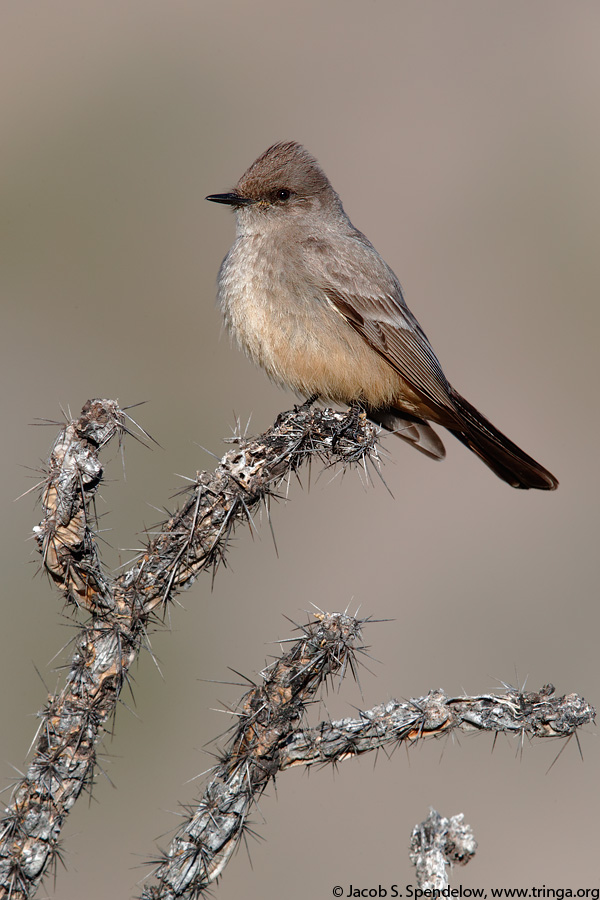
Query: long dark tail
x=503, y=457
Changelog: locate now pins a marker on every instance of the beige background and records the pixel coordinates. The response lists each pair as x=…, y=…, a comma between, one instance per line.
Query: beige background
x=464, y=138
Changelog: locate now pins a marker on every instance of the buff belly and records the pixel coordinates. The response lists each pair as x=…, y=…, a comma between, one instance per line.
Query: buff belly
x=307, y=345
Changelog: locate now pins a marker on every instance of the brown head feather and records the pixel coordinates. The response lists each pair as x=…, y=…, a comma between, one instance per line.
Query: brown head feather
x=286, y=165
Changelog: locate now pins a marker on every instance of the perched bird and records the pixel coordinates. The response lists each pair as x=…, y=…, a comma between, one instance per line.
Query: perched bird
x=309, y=298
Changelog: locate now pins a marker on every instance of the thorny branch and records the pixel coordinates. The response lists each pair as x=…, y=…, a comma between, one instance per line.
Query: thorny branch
x=270, y=737
x=268, y=716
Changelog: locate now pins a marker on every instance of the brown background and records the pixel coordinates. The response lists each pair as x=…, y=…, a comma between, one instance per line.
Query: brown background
x=464, y=138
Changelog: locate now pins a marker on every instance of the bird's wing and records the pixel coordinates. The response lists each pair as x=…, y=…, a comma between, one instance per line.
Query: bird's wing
x=365, y=291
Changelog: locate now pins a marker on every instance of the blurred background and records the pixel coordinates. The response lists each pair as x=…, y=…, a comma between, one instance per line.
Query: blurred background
x=464, y=139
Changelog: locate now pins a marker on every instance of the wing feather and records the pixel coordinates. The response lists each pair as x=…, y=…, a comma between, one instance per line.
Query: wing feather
x=382, y=317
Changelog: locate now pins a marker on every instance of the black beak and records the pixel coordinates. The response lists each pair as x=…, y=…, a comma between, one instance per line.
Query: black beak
x=231, y=199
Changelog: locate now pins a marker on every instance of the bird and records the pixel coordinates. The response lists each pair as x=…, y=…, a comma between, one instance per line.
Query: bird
x=308, y=297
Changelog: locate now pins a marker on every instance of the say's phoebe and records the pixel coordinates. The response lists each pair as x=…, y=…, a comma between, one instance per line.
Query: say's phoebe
x=310, y=299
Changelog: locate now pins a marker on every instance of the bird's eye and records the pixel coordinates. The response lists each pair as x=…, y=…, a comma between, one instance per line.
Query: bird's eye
x=284, y=195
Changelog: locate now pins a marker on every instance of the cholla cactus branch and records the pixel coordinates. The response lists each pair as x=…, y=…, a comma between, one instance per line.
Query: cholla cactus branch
x=438, y=843
x=270, y=739
x=65, y=537
x=535, y=714
x=193, y=539
x=269, y=715
x=196, y=537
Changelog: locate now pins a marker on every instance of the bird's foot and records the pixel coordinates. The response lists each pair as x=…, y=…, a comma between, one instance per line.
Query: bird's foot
x=304, y=407
x=349, y=423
